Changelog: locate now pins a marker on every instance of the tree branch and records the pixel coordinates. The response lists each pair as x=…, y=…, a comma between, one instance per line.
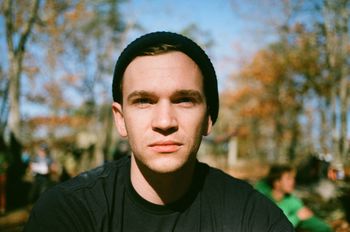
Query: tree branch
x=9, y=23
x=28, y=27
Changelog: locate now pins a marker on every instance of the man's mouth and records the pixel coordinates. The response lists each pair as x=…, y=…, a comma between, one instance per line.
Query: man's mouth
x=165, y=146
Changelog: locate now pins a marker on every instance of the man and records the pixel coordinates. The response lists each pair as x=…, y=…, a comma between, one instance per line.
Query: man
x=165, y=100
x=279, y=186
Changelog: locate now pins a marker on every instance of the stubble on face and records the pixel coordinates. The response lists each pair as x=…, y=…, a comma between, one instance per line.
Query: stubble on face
x=164, y=111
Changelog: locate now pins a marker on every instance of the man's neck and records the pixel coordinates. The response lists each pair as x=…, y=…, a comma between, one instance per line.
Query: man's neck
x=160, y=189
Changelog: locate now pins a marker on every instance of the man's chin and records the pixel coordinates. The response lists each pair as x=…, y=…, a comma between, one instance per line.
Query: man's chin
x=167, y=164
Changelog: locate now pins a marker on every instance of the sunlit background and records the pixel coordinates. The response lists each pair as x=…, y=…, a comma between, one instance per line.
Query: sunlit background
x=282, y=67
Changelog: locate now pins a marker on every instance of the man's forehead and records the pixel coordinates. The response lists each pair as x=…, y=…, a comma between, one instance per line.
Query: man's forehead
x=181, y=43
x=172, y=59
x=162, y=70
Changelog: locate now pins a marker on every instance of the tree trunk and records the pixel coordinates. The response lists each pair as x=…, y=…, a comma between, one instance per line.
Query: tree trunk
x=16, y=53
x=344, y=83
x=292, y=148
x=336, y=46
x=14, y=95
x=334, y=132
x=324, y=128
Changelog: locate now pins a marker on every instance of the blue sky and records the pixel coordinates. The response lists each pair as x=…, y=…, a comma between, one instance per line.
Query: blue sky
x=237, y=28
x=230, y=25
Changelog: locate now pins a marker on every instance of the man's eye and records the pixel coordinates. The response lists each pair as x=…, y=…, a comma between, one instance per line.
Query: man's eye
x=185, y=101
x=142, y=101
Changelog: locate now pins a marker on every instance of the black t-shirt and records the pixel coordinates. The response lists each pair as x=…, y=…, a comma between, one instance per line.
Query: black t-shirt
x=103, y=199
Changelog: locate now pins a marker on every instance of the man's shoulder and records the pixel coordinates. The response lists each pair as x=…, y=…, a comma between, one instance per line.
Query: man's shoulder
x=106, y=173
x=238, y=199
x=220, y=186
x=221, y=179
x=78, y=200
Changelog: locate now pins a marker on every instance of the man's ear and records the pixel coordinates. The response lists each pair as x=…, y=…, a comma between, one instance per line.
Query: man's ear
x=119, y=119
x=208, y=127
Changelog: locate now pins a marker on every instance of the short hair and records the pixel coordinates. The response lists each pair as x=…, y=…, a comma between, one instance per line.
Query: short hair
x=276, y=172
x=162, y=42
x=158, y=49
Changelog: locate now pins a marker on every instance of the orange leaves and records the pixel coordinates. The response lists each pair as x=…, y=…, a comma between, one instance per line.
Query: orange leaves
x=259, y=110
x=20, y=9
x=51, y=17
x=31, y=70
x=304, y=55
x=78, y=13
x=55, y=96
x=56, y=121
x=267, y=67
x=71, y=79
x=54, y=90
x=257, y=95
x=237, y=95
x=266, y=94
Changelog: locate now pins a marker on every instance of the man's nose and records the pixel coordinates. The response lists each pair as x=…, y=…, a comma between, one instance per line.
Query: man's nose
x=164, y=118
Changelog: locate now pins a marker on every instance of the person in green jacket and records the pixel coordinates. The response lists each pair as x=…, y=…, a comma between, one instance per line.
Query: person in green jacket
x=279, y=186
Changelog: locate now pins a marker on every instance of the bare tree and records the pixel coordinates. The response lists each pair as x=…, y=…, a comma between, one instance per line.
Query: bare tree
x=336, y=21
x=17, y=39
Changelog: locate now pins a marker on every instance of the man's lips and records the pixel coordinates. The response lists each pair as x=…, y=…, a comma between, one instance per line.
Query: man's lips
x=165, y=146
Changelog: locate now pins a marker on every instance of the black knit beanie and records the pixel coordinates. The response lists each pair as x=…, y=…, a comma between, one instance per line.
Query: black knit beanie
x=184, y=45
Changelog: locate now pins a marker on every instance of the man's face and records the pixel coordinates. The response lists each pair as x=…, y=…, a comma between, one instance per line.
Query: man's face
x=164, y=111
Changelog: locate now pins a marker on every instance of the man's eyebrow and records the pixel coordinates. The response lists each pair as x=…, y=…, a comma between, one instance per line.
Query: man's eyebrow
x=189, y=93
x=141, y=93
x=178, y=93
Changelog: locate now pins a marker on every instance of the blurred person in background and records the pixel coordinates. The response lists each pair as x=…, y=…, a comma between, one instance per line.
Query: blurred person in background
x=121, y=150
x=279, y=186
x=41, y=167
